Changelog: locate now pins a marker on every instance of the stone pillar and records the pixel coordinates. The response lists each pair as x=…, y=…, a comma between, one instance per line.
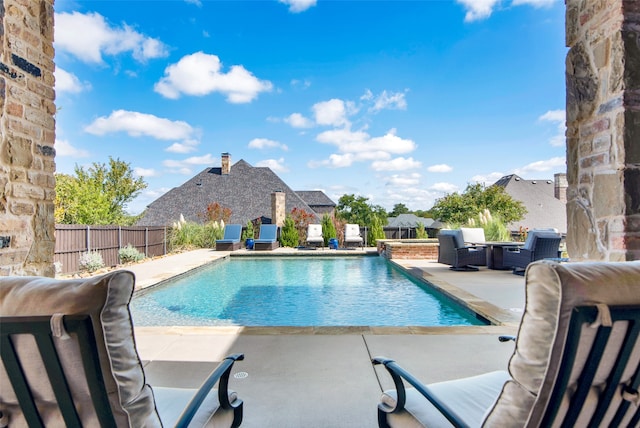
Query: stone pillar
x=278, y=208
x=27, y=135
x=603, y=129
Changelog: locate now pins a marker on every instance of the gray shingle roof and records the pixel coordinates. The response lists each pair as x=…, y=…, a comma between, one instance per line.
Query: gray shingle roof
x=538, y=196
x=408, y=220
x=246, y=190
x=315, y=198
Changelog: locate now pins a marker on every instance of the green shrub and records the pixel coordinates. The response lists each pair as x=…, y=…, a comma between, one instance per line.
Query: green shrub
x=289, y=235
x=328, y=229
x=494, y=228
x=130, y=254
x=375, y=231
x=421, y=232
x=91, y=261
x=189, y=235
x=248, y=233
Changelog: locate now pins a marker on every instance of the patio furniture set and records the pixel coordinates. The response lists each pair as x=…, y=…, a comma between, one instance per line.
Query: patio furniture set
x=268, y=237
x=467, y=249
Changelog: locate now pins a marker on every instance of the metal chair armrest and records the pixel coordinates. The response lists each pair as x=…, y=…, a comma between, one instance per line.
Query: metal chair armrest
x=398, y=374
x=220, y=373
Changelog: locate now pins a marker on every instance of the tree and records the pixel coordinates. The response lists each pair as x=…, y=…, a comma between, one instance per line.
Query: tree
x=399, y=209
x=458, y=208
x=356, y=210
x=97, y=195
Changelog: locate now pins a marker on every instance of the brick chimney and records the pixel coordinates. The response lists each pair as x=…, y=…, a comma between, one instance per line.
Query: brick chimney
x=226, y=163
x=278, y=209
x=560, y=186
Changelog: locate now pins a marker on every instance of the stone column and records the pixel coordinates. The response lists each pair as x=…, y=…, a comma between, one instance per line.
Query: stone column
x=603, y=129
x=278, y=208
x=27, y=135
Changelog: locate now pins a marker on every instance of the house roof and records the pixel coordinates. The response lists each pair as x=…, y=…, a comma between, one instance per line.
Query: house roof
x=408, y=220
x=538, y=196
x=246, y=190
x=315, y=198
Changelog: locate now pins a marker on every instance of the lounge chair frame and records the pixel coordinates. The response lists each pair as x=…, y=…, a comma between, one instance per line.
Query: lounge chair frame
x=39, y=327
x=460, y=258
x=229, y=242
x=581, y=317
x=518, y=258
x=266, y=244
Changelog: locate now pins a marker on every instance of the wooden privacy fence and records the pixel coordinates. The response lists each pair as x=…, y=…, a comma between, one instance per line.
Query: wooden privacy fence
x=72, y=240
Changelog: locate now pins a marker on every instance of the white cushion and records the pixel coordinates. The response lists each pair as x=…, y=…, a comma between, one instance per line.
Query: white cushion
x=472, y=235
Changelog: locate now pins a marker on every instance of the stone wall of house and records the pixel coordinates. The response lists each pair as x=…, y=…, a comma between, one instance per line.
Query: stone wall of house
x=27, y=135
x=603, y=129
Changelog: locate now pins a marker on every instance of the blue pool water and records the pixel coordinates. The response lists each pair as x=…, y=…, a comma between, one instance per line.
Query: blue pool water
x=309, y=291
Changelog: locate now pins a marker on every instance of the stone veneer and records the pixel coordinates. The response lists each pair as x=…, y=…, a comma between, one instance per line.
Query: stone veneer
x=603, y=129
x=27, y=128
x=278, y=208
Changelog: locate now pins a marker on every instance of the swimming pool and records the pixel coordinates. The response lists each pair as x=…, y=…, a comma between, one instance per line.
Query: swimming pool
x=295, y=291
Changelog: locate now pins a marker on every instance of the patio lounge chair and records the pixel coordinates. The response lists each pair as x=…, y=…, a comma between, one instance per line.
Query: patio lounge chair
x=314, y=235
x=575, y=363
x=352, y=236
x=540, y=244
x=268, y=238
x=452, y=251
x=231, y=239
x=69, y=358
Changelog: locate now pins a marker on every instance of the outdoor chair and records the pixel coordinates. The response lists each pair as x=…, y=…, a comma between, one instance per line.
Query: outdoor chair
x=69, y=358
x=576, y=361
x=452, y=251
x=231, y=239
x=352, y=236
x=473, y=235
x=268, y=238
x=314, y=235
x=540, y=244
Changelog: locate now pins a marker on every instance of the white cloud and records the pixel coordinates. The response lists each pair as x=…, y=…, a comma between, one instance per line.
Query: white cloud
x=542, y=166
x=303, y=84
x=559, y=118
x=69, y=82
x=388, y=101
x=185, y=166
x=488, y=179
x=194, y=2
x=64, y=148
x=342, y=137
x=397, y=164
x=297, y=120
x=444, y=187
x=534, y=3
x=478, y=9
x=276, y=165
x=404, y=180
x=263, y=143
x=138, y=124
x=297, y=6
x=440, y=168
x=186, y=146
x=200, y=74
x=334, y=161
x=333, y=112
x=88, y=37
x=144, y=172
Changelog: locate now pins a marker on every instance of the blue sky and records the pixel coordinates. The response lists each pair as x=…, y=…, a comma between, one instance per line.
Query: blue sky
x=396, y=101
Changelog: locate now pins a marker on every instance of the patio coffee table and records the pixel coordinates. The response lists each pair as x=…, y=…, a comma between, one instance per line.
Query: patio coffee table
x=495, y=253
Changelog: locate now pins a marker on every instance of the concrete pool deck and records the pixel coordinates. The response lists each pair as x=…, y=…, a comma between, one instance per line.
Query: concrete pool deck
x=323, y=377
